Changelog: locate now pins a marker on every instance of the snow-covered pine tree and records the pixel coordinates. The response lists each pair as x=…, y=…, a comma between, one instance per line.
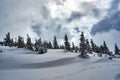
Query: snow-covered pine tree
x=66, y=43
x=12, y=42
x=20, y=43
x=117, y=50
x=7, y=40
x=105, y=48
x=92, y=45
x=73, y=46
x=83, y=47
x=36, y=45
x=76, y=49
x=29, y=43
x=101, y=49
x=55, y=44
x=88, y=46
x=50, y=45
x=40, y=42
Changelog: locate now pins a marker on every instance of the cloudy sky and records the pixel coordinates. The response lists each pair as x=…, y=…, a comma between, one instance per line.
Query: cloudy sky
x=98, y=19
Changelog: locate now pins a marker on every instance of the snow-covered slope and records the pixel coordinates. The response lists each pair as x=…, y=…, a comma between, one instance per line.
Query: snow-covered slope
x=22, y=64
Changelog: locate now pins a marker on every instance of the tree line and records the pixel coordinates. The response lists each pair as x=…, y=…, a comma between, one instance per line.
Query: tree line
x=85, y=46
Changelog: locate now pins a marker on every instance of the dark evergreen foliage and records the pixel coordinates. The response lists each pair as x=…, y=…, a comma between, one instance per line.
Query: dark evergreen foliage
x=117, y=50
x=55, y=44
x=66, y=43
x=73, y=46
x=88, y=46
x=7, y=40
x=92, y=45
x=105, y=48
x=83, y=46
x=20, y=43
x=50, y=45
x=29, y=43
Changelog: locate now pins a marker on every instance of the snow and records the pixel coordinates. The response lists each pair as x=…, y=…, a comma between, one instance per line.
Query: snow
x=22, y=64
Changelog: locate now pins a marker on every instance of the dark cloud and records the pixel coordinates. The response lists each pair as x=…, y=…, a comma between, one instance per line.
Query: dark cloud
x=77, y=29
x=114, y=7
x=44, y=11
x=107, y=24
x=96, y=12
x=110, y=21
x=36, y=28
x=74, y=16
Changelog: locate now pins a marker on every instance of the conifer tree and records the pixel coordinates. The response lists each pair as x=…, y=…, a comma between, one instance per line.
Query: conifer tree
x=117, y=51
x=76, y=49
x=101, y=49
x=88, y=46
x=40, y=42
x=73, y=46
x=55, y=44
x=7, y=40
x=66, y=43
x=12, y=42
x=50, y=45
x=92, y=45
x=83, y=46
x=105, y=48
x=29, y=43
x=36, y=45
x=16, y=42
x=20, y=43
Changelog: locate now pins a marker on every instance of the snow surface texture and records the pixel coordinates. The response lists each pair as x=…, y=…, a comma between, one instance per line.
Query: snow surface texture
x=22, y=64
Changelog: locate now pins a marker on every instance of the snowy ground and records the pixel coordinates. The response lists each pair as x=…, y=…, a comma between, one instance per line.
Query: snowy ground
x=22, y=64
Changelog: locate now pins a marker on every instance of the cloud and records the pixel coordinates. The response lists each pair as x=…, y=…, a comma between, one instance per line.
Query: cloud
x=107, y=24
x=74, y=16
x=110, y=21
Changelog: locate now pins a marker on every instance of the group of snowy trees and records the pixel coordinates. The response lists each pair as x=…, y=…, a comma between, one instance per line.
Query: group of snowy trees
x=20, y=43
x=84, y=48
x=8, y=41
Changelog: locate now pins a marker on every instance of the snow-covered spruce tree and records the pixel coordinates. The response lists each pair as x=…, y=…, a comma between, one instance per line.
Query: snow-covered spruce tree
x=88, y=46
x=92, y=45
x=16, y=42
x=101, y=49
x=7, y=40
x=76, y=49
x=12, y=42
x=29, y=43
x=55, y=44
x=83, y=47
x=20, y=43
x=66, y=43
x=105, y=49
x=38, y=44
x=117, y=50
x=73, y=46
x=50, y=45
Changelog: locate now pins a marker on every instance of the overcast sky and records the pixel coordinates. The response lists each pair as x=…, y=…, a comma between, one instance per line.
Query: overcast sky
x=98, y=19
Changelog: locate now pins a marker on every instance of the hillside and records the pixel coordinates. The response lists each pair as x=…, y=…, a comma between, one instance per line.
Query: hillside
x=22, y=64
